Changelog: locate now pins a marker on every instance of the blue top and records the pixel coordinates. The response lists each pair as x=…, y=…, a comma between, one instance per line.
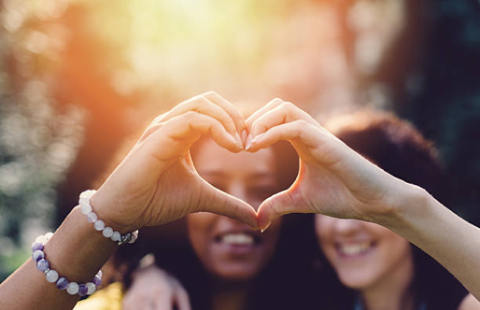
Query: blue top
x=359, y=306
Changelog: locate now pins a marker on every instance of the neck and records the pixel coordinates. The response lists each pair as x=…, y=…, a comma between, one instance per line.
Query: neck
x=392, y=293
x=232, y=296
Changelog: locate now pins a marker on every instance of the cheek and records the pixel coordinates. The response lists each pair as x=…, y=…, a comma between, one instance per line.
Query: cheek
x=325, y=235
x=324, y=229
x=272, y=235
x=395, y=249
x=200, y=226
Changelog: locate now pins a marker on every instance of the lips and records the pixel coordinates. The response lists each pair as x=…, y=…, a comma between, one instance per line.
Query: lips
x=354, y=250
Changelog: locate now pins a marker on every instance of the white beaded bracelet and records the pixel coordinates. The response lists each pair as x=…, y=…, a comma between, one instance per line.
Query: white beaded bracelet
x=99, y=225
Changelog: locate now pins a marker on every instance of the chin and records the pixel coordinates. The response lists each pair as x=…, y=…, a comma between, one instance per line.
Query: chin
x=357, y=282
x=235, y=273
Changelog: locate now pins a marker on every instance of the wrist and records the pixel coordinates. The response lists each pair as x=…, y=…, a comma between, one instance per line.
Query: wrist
x=414, y=203
x=76, y=250
x=105, y=210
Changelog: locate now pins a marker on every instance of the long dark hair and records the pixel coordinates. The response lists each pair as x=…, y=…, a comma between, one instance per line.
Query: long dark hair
x=398, y=148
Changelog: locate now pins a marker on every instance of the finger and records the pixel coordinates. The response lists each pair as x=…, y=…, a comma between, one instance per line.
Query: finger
x=274, y=207
x=218, y=202
x=181, y=297
x=300, y=131
x=269, y=106
x=228, y=107
x=198, y=104
x=163, y=300
x=127, y=305
x=283, y=113
x=138, y=302
x=176, y=136
x=193, y=122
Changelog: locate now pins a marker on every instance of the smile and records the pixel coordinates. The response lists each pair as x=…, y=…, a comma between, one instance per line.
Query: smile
x=238, y=239
x=354, y=249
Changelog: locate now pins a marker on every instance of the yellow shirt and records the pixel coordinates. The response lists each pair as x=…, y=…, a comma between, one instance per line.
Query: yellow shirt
x=109, y=298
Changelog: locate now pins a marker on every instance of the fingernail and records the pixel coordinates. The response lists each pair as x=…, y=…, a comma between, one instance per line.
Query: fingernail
x=232, y=139
x=264, y=229
x=244, y=135
x=248, y=144
x=239, y=140
x=257, y=138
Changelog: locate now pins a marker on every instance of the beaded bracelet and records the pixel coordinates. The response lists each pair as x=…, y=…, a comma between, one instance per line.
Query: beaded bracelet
x=99, y=225
x=52, y=276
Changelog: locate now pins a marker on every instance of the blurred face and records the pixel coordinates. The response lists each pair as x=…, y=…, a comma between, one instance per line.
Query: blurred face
x=227, y=248
x=364, y=255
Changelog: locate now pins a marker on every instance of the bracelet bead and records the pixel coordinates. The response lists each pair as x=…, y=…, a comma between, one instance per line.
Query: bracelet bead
x=116, y=236
x=72, y=288
x=99, y=225
x=97, y=280
x=41, y=239
x=62, y=283
x=42, y=265
x=92, y=217
x=107, y=232
x=51, y=276
x=91, y=288
x=37, y=246
x=38, y=255
x=82, y=289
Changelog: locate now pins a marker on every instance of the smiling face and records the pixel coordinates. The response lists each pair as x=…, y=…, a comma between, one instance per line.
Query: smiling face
x=364, y=255
x=227, y=248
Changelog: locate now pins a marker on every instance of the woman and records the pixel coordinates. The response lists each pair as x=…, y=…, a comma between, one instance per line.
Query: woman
x=335, y=181
x=226, y=264
x=382, y=268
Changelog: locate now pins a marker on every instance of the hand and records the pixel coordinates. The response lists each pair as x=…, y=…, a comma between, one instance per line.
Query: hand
x=154, y=289
x=157, y=182
x=333, y=179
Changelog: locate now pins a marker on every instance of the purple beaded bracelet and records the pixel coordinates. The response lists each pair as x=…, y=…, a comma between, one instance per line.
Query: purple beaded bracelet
x=99, y=225
x=52, y=276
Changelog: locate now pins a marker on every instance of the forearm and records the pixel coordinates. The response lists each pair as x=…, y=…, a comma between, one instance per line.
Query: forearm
x=449, y=239
x=77, y=251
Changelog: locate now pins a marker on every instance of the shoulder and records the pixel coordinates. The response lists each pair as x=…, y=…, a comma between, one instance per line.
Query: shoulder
x=469, y=303
x=109, y=298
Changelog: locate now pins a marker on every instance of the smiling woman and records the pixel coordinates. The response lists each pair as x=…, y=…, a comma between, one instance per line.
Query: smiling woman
x=227, y=248
x=383, y=268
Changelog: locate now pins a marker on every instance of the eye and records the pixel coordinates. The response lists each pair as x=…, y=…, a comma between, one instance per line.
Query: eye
x=218, y=185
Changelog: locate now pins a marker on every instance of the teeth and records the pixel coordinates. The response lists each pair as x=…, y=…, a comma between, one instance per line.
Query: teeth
x=238, y=239
x=354, y=249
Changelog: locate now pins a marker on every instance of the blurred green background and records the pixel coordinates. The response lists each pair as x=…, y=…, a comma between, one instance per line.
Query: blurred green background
x=77, y=77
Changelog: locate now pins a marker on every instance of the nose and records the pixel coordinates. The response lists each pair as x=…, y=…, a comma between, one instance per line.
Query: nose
x=239, y=190
x=347, y=227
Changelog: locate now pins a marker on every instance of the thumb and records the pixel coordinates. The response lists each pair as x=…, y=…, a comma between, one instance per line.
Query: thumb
x=224, y=204
x=274, y=207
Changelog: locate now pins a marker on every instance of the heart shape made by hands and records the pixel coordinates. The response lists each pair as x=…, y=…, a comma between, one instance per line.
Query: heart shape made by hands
x=251, y=177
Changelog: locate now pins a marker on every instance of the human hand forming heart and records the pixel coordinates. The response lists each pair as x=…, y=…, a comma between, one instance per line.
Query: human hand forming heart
x=333, y=179
x=157, y=182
